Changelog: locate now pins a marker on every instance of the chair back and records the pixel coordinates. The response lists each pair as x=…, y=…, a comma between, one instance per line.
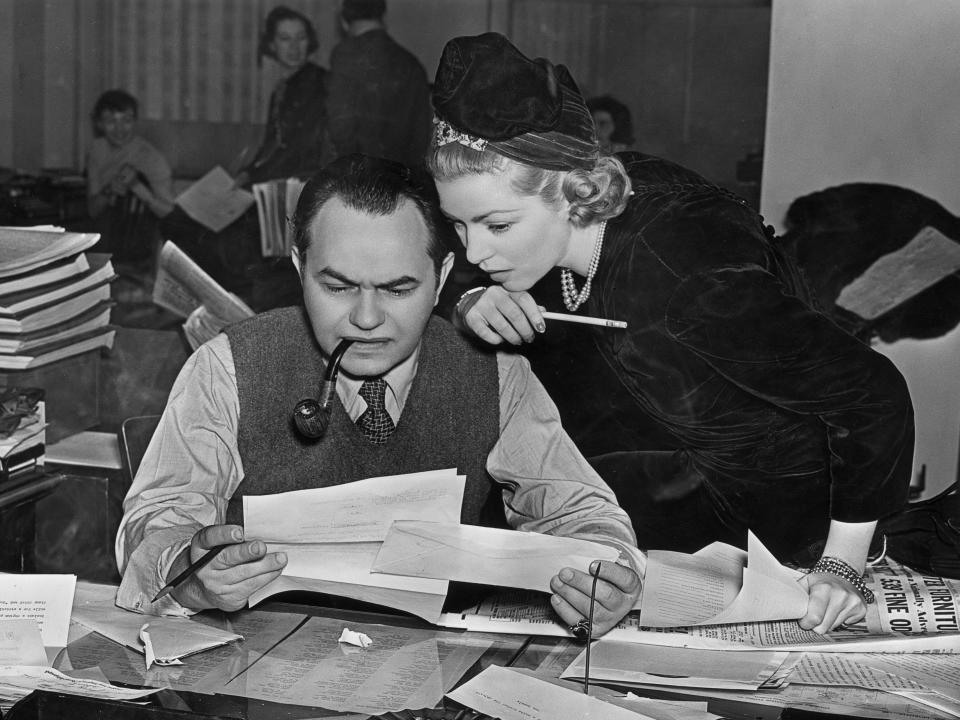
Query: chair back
x=135, y=435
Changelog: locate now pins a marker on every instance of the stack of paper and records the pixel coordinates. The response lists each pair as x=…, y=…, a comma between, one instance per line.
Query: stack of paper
x=332, y=536
x=54, y=298
x=397, y=541
x=276, y=203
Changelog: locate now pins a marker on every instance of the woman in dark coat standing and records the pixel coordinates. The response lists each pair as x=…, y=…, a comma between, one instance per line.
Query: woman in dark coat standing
x=729, y=404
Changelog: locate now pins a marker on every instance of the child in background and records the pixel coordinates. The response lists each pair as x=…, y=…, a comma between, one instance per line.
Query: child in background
x=124, y=171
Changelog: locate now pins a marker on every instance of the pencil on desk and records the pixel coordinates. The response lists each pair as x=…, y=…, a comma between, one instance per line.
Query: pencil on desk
x=585, y=320
x=189, y=572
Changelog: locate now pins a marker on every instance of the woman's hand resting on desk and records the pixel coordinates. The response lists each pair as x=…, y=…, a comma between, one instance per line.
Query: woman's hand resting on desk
x=496, y=315
x=617, y=591
x=227, y=581
x=833, y=602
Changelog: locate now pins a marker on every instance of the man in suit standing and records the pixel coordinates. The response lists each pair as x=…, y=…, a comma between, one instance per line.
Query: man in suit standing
x=379, y=99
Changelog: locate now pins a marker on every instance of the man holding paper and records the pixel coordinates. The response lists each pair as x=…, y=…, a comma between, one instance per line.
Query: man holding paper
x=412, y=395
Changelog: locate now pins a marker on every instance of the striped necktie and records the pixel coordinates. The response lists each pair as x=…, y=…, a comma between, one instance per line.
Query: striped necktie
x=375, y=423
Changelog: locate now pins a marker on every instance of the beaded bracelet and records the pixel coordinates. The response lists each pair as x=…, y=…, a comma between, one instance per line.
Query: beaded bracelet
x=836, y=566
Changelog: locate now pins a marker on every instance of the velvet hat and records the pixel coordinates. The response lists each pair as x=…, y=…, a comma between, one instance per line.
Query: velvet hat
x=488, y=94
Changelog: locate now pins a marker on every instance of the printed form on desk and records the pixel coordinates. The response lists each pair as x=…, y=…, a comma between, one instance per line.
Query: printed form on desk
x=45, y=599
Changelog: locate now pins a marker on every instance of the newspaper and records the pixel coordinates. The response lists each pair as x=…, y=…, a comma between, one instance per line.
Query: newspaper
x=913, y=613
x=183, y=288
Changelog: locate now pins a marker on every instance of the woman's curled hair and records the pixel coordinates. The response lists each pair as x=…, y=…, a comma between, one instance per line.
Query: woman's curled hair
x=597, y=194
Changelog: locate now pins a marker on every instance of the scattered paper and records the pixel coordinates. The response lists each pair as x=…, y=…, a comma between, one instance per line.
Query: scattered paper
x=719, y=585
x=405, y=668
x=171, y=637
x=360, y=511
x=838, y=701
x=489, y=556
x=939, y=672
x=633, y=664
x=21, y=643
x=670, y=709
x=351, y=637
x=656, y=709
x=332, y=535
x=509, y=695
x=47, y=599
x=913, y=614
x=28, y=679
x=214, y=200
x=895, y=277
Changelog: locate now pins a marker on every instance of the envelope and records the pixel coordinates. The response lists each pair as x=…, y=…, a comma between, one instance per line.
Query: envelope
x=490, y=556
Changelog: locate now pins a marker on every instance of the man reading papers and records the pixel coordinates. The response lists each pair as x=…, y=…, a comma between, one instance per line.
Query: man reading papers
x=412, y=395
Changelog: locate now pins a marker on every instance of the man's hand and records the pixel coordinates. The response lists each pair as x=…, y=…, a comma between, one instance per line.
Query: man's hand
x=617, y=591
x=833, y=602
x=496, y=315
x=227, y=581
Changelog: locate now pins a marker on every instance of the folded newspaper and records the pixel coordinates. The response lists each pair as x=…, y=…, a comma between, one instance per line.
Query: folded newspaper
x=913, y=613
x=183, y=288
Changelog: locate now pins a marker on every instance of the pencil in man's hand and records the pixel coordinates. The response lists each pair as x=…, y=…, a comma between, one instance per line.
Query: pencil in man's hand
x=189, y=572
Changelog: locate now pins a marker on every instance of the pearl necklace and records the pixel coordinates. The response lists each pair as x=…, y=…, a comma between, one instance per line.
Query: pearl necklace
x=571, y=298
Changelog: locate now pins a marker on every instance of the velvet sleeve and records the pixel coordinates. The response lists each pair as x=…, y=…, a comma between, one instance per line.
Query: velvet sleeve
x=740, y=320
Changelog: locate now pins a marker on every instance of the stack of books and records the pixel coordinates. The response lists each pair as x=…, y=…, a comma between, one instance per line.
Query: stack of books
x=276, y=202
x=54, y=297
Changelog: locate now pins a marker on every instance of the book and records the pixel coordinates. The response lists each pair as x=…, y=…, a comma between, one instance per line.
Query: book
x=183, y=288
x=26, y=249
x=46, y=354
x=22, y=462
x=276, y=203
x=54, y=272
x=96, y=317
x=101, y=270
x=58, y=312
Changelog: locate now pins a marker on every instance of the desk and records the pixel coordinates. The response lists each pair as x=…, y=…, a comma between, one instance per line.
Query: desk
x=408, y=635
x=544, y=654
x=18, y=500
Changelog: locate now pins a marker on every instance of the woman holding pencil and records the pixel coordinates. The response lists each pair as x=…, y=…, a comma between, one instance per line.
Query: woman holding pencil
x=728, y=403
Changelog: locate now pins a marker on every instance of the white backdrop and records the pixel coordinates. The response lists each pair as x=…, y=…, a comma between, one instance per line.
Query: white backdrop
x=869, y=91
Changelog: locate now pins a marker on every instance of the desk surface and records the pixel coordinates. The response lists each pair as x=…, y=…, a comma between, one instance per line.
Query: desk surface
x=549, y=655
x=271, y=660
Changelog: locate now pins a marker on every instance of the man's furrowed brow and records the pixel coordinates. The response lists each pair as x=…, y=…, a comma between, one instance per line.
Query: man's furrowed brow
x=396, y=282
x=334, y=275
x=399, y=282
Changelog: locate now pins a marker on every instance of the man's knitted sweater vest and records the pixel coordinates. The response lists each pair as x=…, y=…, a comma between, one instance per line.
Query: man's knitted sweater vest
x=451, y=417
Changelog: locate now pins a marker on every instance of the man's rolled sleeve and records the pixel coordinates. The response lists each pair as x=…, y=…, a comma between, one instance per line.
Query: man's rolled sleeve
x=190, y=470
x=548, y=486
